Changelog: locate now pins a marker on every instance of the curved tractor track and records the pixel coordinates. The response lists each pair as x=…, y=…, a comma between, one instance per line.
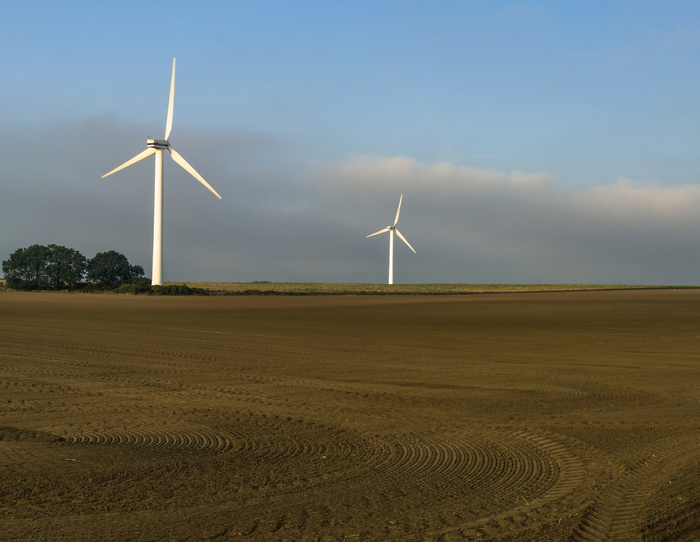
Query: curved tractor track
x=499, y=473
x=619, y=512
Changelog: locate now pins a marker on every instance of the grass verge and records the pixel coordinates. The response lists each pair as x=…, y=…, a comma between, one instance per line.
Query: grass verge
x=317, y=288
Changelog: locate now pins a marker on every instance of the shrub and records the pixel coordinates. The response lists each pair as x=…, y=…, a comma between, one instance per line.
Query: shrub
x=141, y=286
x=177, y=289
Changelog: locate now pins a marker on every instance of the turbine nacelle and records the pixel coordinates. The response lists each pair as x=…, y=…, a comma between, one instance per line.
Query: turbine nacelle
x=157, y=143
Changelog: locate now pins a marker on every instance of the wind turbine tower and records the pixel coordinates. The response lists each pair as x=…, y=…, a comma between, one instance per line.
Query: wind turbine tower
x=157, y=146
x=392, y=229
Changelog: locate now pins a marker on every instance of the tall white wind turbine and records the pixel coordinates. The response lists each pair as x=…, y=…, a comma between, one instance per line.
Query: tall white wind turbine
x=391, y=229
x=157, y=146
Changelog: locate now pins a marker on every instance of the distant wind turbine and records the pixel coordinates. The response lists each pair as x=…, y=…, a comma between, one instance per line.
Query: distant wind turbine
x=157, y=146
x=391, y=229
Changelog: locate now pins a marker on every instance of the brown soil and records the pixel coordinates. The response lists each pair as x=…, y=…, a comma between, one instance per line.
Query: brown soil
x=549, y=416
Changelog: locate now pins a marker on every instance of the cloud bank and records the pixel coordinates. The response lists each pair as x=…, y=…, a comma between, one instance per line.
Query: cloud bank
x=494, y=226
x=285, y=217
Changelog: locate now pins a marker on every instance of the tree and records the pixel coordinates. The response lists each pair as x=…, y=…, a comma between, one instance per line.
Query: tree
x=65, y=267
x=57, y=267
x=25, y=268
x=110, y=269
x=41, y=268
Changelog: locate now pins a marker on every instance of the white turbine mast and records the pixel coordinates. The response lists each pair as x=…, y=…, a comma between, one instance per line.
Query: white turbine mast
x=391, y=229
x=157, y=146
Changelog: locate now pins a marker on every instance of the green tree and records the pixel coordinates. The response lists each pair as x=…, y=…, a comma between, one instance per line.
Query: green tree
x=40, y=267
x=65, y=267
x=111, y=269
x=25, y=269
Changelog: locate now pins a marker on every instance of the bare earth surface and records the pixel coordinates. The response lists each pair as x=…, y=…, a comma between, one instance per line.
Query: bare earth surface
x=548, y=416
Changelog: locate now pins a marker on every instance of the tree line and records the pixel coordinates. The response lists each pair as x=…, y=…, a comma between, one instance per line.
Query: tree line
x=55, y=267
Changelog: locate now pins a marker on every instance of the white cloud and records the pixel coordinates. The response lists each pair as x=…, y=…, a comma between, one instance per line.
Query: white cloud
x=625, y=199
x=401, y=172
x=630, y=200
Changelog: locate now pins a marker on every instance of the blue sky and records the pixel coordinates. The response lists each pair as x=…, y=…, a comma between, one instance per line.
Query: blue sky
x=534, y=141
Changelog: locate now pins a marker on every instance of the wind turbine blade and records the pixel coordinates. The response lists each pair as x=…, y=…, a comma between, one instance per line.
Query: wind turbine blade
x=171, y=104
x=377, y=232
x=398, y=211
x=189, y=169
x=145, y=154
x=404, y=240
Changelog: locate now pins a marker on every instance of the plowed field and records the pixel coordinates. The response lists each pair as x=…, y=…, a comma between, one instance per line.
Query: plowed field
x=547, y=416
